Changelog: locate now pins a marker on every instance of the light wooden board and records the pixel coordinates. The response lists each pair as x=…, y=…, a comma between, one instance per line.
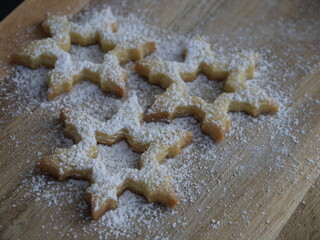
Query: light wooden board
x=269, y=212
x=304, y=222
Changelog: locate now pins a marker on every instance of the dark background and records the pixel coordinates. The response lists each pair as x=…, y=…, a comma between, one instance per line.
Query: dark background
x=7, y=7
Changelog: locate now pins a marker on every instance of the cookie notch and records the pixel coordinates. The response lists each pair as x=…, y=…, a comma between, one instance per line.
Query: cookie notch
x=199, y=58
x=53, y=52
x=152, y=179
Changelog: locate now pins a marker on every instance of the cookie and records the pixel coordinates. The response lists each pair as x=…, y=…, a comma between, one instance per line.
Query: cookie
x=152, y=179
x=199, y=58
x=53, y=52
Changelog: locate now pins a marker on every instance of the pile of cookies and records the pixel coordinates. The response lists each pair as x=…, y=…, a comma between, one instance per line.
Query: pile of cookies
x=152, y=179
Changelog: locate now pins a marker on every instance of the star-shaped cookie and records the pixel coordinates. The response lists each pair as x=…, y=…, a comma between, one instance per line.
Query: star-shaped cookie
x=199, y=58
x=152, y=179
x=53, y=52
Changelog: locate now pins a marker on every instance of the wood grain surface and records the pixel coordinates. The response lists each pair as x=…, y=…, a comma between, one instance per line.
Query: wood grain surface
x=288, y=211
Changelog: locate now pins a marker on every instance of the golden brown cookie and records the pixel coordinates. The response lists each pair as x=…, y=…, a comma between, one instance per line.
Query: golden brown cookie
x=53, y=52
x=199, y=58
x=152, y=180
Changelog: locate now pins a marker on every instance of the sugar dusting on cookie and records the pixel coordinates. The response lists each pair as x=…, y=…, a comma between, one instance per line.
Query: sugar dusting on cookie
x=151, y=179
x=53, y=52
x=25, y=90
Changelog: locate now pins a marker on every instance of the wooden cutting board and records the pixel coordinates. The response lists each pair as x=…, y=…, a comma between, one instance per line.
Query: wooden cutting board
x=291, y=213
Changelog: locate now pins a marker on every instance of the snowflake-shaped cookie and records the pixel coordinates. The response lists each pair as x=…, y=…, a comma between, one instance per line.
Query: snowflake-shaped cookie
x=151, y=180
x=199, y=58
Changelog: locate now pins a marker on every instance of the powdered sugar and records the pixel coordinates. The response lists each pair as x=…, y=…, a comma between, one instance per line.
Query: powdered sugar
x=199, y=165
x=177, y=102
x=151, y=180
x=53, y=52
